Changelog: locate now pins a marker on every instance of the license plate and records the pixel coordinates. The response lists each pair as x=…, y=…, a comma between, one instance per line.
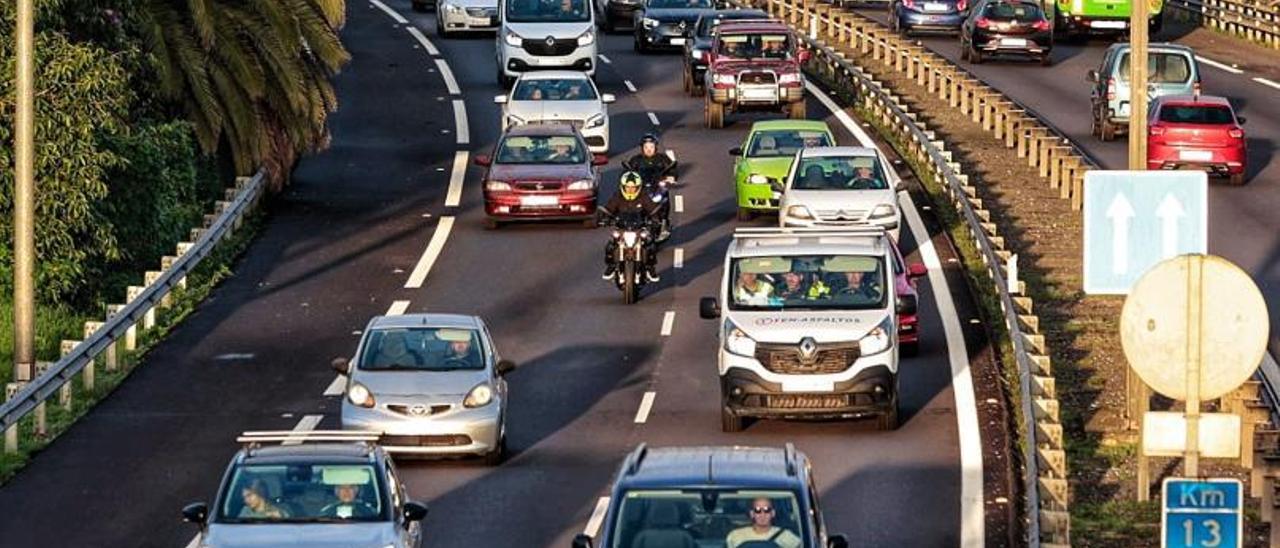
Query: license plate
x=807, y=385
x=934, y=6
x=1109, y=24
x=1014, y=42
x=677, y=41
x=539, y=201
x=1195, y=155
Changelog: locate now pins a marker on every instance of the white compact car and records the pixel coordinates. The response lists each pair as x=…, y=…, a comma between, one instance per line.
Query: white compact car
x=559, y=96
x=545, y=35
x=454, y=16
x=839, y=187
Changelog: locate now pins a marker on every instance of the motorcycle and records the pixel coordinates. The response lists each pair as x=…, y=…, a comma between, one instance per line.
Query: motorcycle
x=630, y=235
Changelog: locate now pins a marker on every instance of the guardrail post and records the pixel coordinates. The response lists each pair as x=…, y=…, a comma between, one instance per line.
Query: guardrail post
x=65, y=391
x=130, y=334
x=1077, y=189
x=11, y=433
x=42, y=409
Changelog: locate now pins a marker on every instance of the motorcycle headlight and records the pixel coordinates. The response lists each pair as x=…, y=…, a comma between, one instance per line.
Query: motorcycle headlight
x=757, y=179
x=883, y=211
x=360, y=395
x=479, y=396
x=629, y=238
x=650, y=23
x=497, y=186
x=582, y=184
x=789, y=78
x=513, y=39
x=726, y=79
x=878, y=339
x=596, y=120
x=737, y=342
x=799, y=212
x=587, y=38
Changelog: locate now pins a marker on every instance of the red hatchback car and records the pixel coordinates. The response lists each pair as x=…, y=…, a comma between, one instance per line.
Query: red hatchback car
x=904, y=283
x=1197, y=133
x=540, y=172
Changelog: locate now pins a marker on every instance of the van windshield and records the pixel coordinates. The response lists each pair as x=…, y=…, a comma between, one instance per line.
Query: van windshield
x=1162, y=68
x=709, y=517
x=808, y=282
x=548, y=11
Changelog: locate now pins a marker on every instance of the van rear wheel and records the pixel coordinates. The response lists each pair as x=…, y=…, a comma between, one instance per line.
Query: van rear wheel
x=889, y=420
x=729, y=422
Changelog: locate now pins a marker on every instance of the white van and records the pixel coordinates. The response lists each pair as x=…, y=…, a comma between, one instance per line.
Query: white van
x=808, y=326
x=545, y=34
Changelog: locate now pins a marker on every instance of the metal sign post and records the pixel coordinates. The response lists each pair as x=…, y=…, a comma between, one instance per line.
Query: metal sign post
x=1195, y=300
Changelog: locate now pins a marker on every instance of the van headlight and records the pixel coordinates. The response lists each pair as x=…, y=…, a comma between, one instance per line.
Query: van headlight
x=587, y=38
x=513, y=39
x=359, y=395
x=596, y=120
x=650, y=22
x=582, y=184
x=799, y=212
x=878, y=339
x=883, y=211
x=479, y=396
x=737, y=342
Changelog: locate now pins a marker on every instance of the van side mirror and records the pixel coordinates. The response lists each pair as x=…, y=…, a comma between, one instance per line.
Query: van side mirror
x=581, y=541
x=837, y=541
x=341, y=365
x=505, y=366
x=414, y=511
x=599, y=160
x=708, y=308
x=1091, y=76
x=483, y=160
x=607, y=98
x=196, y=512
x=735, y=151
x=917, y=270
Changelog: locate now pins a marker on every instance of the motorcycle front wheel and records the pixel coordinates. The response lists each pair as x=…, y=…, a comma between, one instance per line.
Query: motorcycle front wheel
x=630, y=290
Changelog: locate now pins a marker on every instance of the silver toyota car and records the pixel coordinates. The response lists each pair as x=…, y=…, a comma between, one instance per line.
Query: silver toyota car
x=429, y=384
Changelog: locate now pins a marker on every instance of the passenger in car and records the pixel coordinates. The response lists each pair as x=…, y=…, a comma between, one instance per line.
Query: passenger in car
x=255, y=502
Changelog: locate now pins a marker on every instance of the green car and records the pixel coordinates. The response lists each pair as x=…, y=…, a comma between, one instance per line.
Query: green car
x=765, y=157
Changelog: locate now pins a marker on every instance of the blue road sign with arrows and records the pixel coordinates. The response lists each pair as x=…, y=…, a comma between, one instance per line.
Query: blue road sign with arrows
x=1201, y=513
x=1135, y=219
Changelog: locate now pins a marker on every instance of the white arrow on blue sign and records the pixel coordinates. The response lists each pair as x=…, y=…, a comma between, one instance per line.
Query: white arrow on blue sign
x=1135, y=219
x=1201, y=513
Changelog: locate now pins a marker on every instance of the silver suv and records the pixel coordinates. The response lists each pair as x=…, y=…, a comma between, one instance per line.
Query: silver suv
x=1172, y=70
x=429, y=384
x=541, y=35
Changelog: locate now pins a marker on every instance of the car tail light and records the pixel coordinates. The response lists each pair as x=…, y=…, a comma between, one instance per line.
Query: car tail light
x=983, y=23
x=1155, y=131
x=1235, y=133
x=1111, y=89
x=962, y=5
x=909, y=3
x=1042, y=24
x=1195, y=90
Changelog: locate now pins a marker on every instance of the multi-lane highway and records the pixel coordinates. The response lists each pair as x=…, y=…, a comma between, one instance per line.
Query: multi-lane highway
x=371, y=226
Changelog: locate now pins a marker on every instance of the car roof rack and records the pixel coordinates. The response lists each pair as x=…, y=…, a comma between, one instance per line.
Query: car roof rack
x=295, y=437
x=635, y=458
x=789, y=456
x=791, y=232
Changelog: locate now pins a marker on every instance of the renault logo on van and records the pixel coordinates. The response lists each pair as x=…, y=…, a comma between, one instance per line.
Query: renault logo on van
x=551, y=41
x=808, y=350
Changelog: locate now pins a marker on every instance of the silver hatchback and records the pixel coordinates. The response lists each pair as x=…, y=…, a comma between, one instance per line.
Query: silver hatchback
x=429, y=384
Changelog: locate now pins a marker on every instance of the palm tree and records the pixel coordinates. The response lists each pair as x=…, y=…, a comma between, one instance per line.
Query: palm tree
x=254, y=75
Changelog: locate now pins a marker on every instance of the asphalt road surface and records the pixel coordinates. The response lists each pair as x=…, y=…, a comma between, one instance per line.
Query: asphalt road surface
x=365, y=229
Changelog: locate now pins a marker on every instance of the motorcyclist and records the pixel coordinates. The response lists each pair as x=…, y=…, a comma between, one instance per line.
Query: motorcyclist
x=654, y=168
x=630, y=202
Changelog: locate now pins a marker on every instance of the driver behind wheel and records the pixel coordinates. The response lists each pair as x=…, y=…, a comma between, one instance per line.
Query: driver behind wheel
x=459, y=352
x=761, y=533
x=349, y=504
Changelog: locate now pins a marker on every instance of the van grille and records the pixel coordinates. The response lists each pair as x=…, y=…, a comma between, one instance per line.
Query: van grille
x=786, y=359
x=558, y=46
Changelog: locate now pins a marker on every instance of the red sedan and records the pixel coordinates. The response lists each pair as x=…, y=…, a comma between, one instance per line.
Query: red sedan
x=1196, y=133
x=904, y=283
x=541, y=171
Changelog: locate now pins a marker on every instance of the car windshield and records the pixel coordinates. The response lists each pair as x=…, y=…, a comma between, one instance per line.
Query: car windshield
x=548, y=11
x=554, y=89
x=841, y=282
x=709, y=517
x=755, y=46
x=1197, y=114
x=1162, y=68
x=785, y=142
x=839, y=173
x=303, y=493
x=681, y=4
x=1022, y=13
x=421, y=349
x=553, y=149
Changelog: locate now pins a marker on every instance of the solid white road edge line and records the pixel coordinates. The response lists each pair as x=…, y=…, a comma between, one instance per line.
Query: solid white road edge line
x=1217, y=64
x=668, y=322
x=604, y=59
x=336, y=387
x=306, y=424
x=677, y=261
x=399, y=18
x=646, y=405
x=653, y=118
x=630, y=87
x=429, y=256
x=195, y=541
x=972, y=526
x=456, y=178
x=449, y=81
x=460, y=122
x=597, y=517
x=422, y=39
x=679, y=203
x=1268, y=83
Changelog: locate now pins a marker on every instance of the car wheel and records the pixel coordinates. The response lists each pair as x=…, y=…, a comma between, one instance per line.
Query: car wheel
x=714, y=114
x=639, y=45
x=1046, y=60
x=492, y=224
x=494, y=458
x=1237, y=179
x=964, y=50
x=975, y=55
x=889, y=420
x=440, y=29
x=589, y=223
x=688, y=81
x=607, y=24
x=909, y=349
x=729, y=422
x=744, y=214
x=1106, y=130
x=796, y=110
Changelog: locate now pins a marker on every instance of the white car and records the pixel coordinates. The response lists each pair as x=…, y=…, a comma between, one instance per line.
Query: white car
x=537, y=35
x=838, y=187
x=559, y=96
x=465, y=15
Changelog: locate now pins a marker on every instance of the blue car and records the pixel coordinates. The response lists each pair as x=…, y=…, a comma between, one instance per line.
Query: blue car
x=906, y=16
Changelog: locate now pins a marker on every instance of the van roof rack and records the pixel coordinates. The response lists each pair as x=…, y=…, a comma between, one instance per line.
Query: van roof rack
x=789, y=457
x=294, y=437
x=635, y=458
x=762, y=232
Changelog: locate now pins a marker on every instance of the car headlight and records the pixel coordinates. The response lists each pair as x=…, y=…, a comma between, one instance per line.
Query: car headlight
x=697, y=54
x=789, y=78
x=453, y=9
x=883, y=211
x=878, y=339
x=497, y=186
x=757, y=179
x=587, y=38
x=479, y=396
x=799, y=212
x=726, y=79
x=596, y=120
x=737, y=342
x=582, y=184
x=513, y=39
x=360, y=395
x=650, y=23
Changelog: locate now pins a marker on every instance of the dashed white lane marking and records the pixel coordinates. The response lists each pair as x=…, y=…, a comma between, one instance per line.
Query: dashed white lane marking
x=195, y=541
x=677, y=261
x=630, y=87
x=653, y=118
x=306, y=424
x=429, y=256
x=449, y=81
x=1269, y=83
x=336, y=387
x=671, y=154
x=668, y=322
x=597, y=517
x=456, y=178
x=1217, y=64
x=646, y=405
x=604, y=59
x=972, y=527
x=398, y=18
x=397, y=308
x=460, y=122
x=679, y=203
x=422, y=39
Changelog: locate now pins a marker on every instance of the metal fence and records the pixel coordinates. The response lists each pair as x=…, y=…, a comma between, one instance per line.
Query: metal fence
x=104, y=341
x=1256, y=20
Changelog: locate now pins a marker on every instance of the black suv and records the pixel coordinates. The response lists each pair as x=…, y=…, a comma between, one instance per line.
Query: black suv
x=757, y=497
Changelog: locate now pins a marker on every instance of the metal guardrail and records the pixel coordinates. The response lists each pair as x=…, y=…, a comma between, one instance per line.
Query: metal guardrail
x=123, y=321
x=1045, y=482
x=1255, y=20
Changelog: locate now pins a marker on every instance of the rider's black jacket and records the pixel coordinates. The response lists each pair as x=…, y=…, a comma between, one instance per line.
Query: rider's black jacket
x=618, y=206
x=650, y=168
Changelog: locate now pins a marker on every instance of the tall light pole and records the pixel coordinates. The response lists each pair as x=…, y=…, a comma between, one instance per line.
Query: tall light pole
x=24, y=241
x=1138, y=40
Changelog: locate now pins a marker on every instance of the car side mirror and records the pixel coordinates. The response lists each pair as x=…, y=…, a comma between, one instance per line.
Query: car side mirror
x=735, y=151
x=803, y=56
x=837, y=541
x=776, y=185
x=414, y=511
x=581, y=541
x=1091, y=76
x=899, y=186
x=506, y=366
x=500, y=99
x=599, y=160
x=607, y=98
x=917, y=270
x=708, y=308
x=196, y=512
x=1240, y=120
x=483, y=160
x=341, y=365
